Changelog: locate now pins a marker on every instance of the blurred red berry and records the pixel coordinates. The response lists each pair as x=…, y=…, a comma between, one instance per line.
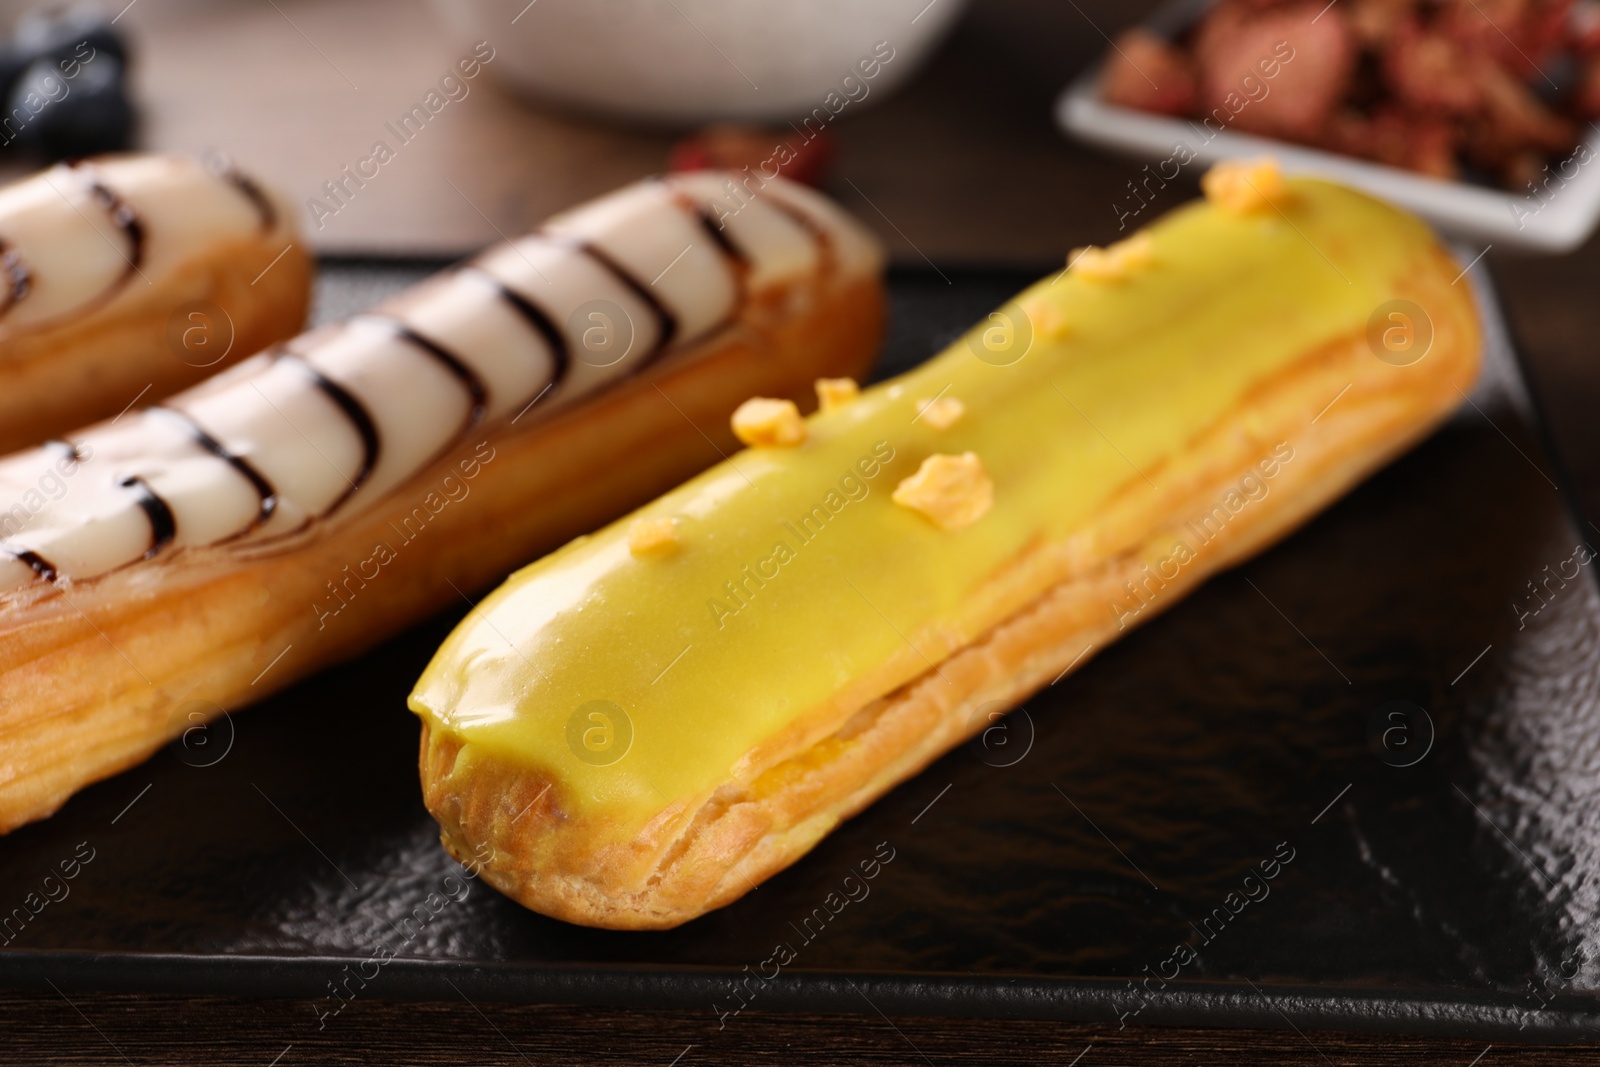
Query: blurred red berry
x=1145, y=72
x=728, y=146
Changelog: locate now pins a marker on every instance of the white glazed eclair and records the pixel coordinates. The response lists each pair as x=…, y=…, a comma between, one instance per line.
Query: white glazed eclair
x=647, y=723
x=133, y=276
x=317, y=497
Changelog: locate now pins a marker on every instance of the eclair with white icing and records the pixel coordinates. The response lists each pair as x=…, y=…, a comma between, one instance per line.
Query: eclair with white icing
x=128, y=277
x=647, y=723
x=298, y=507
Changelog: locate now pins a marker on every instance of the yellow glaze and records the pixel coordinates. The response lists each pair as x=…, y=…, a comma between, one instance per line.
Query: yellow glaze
x=795, y=574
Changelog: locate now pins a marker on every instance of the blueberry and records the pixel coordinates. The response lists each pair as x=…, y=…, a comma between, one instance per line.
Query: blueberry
x=61, y=77
x=61, y=109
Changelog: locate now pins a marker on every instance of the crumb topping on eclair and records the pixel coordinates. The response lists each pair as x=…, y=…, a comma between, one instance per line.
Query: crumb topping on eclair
x=764, y=421
x=952, y=492
x=836, y=392
x=653, y=537
x=1245, y=187
x=940, y=412
x=1114, y=263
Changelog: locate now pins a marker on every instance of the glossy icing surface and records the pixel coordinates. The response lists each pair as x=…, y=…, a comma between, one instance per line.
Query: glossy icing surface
x=795, y=575
x=80, y=235
x=291, y=441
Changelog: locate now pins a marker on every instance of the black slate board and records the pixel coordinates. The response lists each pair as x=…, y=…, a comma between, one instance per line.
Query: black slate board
x=275, y=853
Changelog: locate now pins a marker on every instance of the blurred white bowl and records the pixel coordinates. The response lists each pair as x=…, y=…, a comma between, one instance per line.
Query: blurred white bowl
x=694, y=61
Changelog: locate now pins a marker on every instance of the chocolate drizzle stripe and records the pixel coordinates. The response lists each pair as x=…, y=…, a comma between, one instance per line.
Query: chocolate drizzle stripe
x=264, y=489
x=18, y=275
x=223, y=169
x=716, y=231
x=41, y=566
x=253, y=192
x=127, y=221
x=738, y=261
x=536, y=317
x=353, y=410
x=453, y=363
x=163, y=527
x=810, y=225
x=719, y=235
x=667, y=320
x=66, y=446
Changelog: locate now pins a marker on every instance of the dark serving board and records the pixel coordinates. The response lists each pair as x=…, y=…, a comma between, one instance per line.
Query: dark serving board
x=1443, y=883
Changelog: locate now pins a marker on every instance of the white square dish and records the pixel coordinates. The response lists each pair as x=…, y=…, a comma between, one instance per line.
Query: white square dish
x=1558, y=221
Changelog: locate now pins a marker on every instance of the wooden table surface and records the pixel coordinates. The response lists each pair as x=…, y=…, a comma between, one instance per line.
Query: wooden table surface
x=963, y=168
x=965, y=164
x=119, y=1030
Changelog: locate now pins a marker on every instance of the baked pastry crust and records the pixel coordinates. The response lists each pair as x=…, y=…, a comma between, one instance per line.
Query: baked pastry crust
x=93, y=363
x=97, y=675
x=552, y=857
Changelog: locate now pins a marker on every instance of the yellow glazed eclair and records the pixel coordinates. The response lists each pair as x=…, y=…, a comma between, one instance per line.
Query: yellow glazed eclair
x=129, y=277
x=649, y=722
x=193, y=555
